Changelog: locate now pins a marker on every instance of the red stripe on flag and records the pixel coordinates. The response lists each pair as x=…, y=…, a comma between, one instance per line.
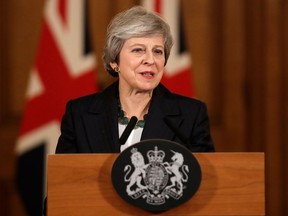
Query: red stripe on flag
x=59, y=86
x=181, y=83
x=62, y=7
x=157, y=6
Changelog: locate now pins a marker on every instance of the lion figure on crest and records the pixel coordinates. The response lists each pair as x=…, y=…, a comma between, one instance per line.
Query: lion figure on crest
x=139, y=173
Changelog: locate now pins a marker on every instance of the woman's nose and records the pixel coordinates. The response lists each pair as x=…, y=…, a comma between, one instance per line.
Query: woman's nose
x=148, y=58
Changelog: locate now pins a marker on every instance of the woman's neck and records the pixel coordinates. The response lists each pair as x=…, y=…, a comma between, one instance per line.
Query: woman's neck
x=135, y=104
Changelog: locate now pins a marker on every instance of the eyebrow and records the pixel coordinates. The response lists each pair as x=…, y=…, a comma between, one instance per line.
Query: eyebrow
x=139, y=44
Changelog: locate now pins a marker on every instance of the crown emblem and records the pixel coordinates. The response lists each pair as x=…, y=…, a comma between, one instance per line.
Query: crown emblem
x=155, y=155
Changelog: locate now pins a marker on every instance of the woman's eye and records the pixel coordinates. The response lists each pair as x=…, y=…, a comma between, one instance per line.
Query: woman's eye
x=137, y=50
x=158, y=51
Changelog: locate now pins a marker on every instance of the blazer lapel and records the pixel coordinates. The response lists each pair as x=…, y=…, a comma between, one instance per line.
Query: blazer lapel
x=162, y=106
x=101, y=123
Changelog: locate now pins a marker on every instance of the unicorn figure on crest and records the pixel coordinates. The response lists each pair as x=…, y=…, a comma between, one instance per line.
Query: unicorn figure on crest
x=174, y=168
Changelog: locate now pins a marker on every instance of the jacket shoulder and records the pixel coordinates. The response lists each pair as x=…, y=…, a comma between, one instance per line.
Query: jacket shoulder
x=94, y=100
x=180, y=99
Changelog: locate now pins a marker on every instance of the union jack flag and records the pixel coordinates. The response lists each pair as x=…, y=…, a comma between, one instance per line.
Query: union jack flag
x=178, y=73
x=64, y=69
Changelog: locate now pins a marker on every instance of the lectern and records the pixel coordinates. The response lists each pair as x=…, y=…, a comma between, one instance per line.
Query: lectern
x=80, y=184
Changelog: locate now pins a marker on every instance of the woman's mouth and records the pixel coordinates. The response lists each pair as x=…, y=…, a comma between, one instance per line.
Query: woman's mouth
x=147, y=74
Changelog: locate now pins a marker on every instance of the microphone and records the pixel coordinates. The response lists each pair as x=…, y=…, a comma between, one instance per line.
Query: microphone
x=176, y=130
x=131, y=124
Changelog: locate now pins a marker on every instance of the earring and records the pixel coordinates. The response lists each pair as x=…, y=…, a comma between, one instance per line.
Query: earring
x=116, y=69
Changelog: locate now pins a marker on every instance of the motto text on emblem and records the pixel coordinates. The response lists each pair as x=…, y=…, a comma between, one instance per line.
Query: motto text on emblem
x=157, y=180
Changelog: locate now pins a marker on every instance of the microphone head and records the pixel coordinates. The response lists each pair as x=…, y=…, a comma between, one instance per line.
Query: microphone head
x=130, y=126
x=133, y=120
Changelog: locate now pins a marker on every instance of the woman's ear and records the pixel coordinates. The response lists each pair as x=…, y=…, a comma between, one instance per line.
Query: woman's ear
x=113, y=65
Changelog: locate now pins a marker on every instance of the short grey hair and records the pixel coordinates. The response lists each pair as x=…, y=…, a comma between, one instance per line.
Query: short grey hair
x=135, y=22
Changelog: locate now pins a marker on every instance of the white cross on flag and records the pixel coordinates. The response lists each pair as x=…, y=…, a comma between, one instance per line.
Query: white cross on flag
x=64, y=69
x=178, y=73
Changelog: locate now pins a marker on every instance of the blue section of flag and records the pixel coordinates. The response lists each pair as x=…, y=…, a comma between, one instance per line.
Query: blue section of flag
x=30, y=178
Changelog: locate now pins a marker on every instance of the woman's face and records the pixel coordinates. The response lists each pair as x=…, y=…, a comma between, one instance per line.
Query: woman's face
x=141, y=63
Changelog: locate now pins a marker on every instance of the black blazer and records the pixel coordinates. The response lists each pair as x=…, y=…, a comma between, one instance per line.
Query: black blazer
x=90, y=123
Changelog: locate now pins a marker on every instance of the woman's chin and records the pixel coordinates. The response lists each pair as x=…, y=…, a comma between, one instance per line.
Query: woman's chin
x=148, y=86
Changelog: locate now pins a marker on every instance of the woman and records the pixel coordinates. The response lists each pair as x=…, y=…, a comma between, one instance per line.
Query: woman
x=137, y=48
